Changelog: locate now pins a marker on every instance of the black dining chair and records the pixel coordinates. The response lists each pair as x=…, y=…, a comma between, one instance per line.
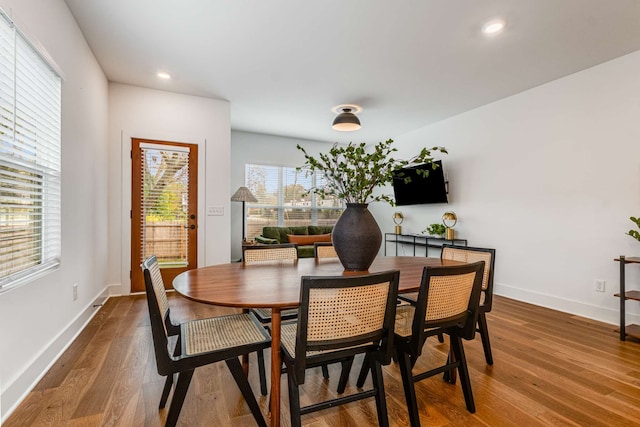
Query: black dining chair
x=339, y=318
x=473, y=254
x=447, y=303
x=199, y=342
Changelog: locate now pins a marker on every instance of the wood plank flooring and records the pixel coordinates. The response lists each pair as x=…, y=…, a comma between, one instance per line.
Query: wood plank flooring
x=551, y=369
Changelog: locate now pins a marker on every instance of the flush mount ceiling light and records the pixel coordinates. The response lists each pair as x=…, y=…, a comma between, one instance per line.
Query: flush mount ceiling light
x=163, y=75
x=346, y=120
x=493, y=27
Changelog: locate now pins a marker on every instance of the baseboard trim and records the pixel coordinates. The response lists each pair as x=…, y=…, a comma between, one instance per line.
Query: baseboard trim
x=18, y=390
x=599, y=313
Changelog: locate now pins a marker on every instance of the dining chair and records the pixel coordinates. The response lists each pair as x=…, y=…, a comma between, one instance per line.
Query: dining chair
x=199, y=342
x=324, y=250
x=473, y=254
x=447, y=304
x=339, y=318
x=271, y=254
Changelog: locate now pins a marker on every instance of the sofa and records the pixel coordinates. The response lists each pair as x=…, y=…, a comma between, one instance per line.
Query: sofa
x=304, y=236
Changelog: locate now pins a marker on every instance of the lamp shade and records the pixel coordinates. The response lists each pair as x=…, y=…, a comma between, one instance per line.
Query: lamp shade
x=346, y=121
x=243, y=195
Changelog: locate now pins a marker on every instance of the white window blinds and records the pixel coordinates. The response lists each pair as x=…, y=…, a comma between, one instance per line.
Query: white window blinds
x=30, y=94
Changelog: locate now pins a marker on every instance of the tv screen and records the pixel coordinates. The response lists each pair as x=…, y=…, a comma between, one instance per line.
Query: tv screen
x=421, y=189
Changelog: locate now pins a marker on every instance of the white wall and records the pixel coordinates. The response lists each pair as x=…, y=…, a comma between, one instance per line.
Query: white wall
x=40, y=318
x=261, y=149
x=548, y=177
x=136, y=112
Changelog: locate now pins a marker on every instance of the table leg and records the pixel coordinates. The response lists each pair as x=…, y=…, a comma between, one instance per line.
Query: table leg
x=275, y=367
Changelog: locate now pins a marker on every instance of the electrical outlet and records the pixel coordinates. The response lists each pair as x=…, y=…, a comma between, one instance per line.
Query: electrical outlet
x=600, y=285
x=75, y=291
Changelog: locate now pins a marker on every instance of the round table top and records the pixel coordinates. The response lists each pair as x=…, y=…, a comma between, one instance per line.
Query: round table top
x=278, y=285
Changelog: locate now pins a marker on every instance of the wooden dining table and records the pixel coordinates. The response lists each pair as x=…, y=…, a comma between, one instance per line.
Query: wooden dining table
x=277, y=286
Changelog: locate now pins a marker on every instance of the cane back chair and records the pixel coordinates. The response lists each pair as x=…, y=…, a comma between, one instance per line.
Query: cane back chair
x=447, y=304
x=471, y=254
x=199, y=342
x=340, y=317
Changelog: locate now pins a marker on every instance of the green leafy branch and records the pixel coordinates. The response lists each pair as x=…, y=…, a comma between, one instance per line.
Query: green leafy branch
x=634, y=233
x=352, y=173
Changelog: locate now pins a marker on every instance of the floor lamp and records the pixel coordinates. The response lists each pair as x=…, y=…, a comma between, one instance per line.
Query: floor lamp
x=243, y=195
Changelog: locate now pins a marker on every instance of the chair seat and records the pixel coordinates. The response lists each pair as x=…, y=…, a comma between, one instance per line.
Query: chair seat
x=288, y=340
x=264, y=314
x=221, y=333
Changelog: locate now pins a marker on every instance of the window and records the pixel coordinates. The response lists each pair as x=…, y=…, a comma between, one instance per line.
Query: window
x=281, y=200
x=30, y=92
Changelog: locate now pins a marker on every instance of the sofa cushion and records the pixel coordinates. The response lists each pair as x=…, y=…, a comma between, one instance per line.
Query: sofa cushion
x=309, y=239
x=280, y=233
x=320, y=229
x=306, y=252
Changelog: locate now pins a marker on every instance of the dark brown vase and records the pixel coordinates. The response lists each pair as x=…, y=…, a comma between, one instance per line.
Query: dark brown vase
x=356, y=237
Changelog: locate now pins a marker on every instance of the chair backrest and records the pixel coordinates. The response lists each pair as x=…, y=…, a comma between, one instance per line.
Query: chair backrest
x=448, y=298
x=270, y=253
x=159, y=314
x=346, y=311
x=324, y=250
x=471, y=254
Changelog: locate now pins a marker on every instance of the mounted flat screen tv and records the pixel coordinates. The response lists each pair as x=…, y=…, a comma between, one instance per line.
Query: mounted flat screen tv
x=420, y=190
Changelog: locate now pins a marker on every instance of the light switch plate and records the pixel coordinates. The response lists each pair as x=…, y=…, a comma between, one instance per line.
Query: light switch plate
x=215, y=211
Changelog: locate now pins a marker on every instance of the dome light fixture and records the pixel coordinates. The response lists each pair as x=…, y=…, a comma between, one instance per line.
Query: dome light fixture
x=346, y=120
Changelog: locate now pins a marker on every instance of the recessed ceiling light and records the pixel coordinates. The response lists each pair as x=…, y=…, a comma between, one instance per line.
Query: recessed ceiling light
x=494, y=27
x=165, y=76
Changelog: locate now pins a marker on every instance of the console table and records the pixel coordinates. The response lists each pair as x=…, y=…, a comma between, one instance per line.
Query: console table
x=627, y=330
x=419, y=241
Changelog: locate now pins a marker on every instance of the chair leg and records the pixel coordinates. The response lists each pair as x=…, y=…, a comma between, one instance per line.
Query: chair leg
x=166, y=390
x=325, y=372
x=182, y=386
x=465, y=382
x=409, y=388
x=235, y=367
x=484, y=335
x=378, y=385
x=344, y=375
x=294, y=398
x=262, y=372
x=364, y=371
x=440, y=338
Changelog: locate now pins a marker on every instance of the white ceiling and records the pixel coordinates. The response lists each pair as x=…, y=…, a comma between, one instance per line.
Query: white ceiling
x=284, y=64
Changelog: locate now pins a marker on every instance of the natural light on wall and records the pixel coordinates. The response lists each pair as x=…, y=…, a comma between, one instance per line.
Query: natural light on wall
x=30, y=92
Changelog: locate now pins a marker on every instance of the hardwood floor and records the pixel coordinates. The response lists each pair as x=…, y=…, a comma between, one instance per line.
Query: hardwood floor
x=550, y=368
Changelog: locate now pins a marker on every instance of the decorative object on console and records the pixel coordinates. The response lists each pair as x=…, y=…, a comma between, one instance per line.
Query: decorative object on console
x=398, y=217
x=352, y=173
x=449, y=219
x=243, y=195
x=435, y=230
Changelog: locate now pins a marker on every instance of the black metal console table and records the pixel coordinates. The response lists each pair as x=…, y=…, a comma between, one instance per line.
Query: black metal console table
x=419, y=241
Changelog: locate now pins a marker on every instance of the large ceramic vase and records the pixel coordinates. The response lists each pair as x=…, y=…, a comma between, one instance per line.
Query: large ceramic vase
x=356, y=237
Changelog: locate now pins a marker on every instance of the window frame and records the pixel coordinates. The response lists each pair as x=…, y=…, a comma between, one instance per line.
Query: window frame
x=281, y=207
x=30, y=156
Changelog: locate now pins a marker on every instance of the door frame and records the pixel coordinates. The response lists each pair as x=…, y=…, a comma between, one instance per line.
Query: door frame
x=126, y=181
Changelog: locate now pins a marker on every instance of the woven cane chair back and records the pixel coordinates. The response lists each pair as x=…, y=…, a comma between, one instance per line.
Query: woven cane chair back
x=470, y=255
x=448, y=297
x=339, y=312
x=160, y=293
x=271, y=254
x=324, y=250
